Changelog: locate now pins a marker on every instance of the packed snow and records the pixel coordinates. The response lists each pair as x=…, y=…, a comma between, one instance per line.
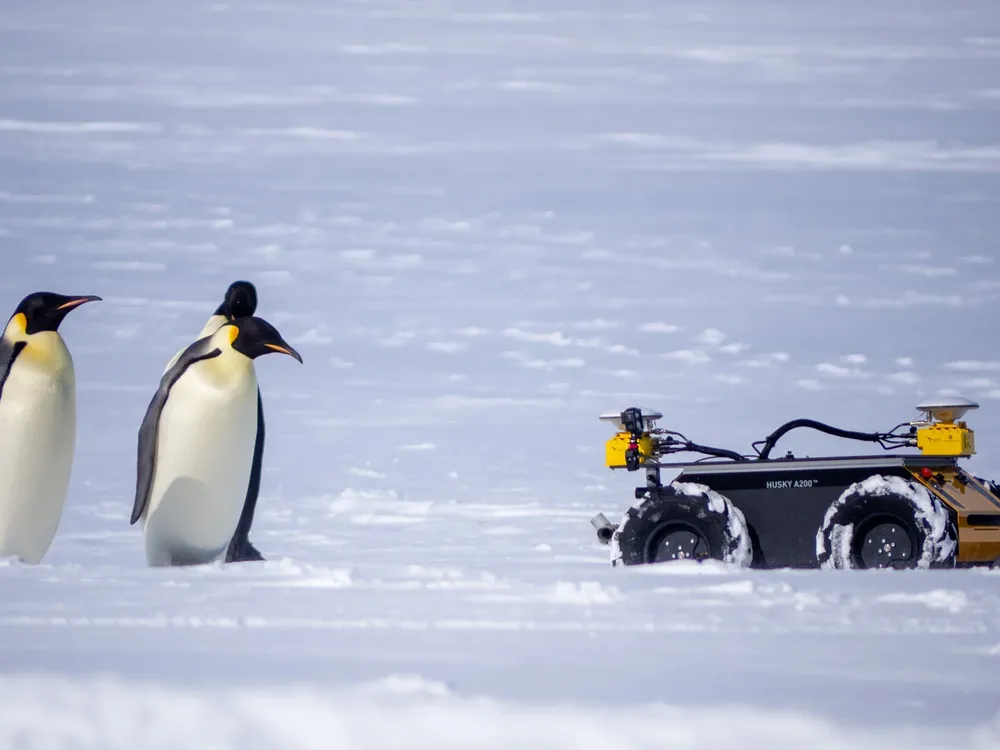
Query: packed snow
x=483, y=225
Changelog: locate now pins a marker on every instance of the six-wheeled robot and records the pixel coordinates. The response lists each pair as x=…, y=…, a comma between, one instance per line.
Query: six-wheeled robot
x=892, y=510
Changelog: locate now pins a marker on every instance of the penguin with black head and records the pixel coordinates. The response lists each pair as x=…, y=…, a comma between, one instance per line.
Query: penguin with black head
x=240, y=301
x=197, y=441
x=37, y=424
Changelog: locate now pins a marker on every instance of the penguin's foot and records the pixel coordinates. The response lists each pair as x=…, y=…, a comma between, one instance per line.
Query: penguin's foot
x=242, y=550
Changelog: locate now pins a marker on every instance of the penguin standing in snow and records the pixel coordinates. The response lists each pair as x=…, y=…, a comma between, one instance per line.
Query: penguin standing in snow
x=37, y=424
x=240, y=301
x=197, y=444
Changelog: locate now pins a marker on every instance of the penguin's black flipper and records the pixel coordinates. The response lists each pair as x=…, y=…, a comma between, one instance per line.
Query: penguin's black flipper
x=8, y=353
x=241, y=549
x=146, y=463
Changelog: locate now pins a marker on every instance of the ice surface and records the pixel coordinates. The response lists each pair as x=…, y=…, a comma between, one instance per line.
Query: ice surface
x=483, y=225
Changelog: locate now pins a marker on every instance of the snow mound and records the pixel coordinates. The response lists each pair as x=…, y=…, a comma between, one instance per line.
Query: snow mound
x=408, y=712
x=583, y=592
x=951, y=601
x=685, y=568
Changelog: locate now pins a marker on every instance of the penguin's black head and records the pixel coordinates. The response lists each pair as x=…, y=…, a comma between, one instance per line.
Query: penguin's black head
x=44, y=311
x=240, y=301
x=255, y=337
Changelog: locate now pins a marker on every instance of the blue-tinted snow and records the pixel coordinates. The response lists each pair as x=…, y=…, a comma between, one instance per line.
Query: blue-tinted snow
x=483, y=224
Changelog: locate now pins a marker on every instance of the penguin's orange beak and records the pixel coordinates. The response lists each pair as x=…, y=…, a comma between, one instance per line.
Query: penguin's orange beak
x=77, y=301
x=283, y=350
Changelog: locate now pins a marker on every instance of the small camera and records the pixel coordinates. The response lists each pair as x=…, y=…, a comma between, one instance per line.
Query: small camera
x=632, y=421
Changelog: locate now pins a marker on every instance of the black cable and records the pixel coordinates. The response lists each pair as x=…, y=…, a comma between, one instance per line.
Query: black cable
x=676, y=446
x=719, y=452
x=772, y=439
x=672, y=445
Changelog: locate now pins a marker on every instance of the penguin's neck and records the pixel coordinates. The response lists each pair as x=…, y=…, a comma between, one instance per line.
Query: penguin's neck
x=46, y=351
x=228, y=370
x=214, y=324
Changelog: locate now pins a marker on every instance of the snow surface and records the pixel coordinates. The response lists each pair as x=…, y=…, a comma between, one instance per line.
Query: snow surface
x=483, y=225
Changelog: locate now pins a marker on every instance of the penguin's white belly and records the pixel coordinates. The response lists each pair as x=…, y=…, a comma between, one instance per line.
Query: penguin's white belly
x=37, y=439
x=204, y=452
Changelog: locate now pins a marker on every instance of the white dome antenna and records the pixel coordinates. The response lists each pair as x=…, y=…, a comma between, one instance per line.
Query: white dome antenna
x=947, y=409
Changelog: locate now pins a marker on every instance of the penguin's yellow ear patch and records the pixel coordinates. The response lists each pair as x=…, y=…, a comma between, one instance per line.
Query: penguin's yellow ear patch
x=234, y=334
x=19, y=324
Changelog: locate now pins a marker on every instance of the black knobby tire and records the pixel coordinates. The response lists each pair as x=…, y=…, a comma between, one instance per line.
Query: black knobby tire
x=682, y=521
x=887, y=522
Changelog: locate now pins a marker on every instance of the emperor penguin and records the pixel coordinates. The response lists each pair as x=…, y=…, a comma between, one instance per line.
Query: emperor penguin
x=196, y=444
x=240, y=301
x=37, y=424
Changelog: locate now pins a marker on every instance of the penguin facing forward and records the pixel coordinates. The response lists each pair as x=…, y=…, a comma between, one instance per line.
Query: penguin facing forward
x=240, y=301
x=37, y=424
x=196, y=444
